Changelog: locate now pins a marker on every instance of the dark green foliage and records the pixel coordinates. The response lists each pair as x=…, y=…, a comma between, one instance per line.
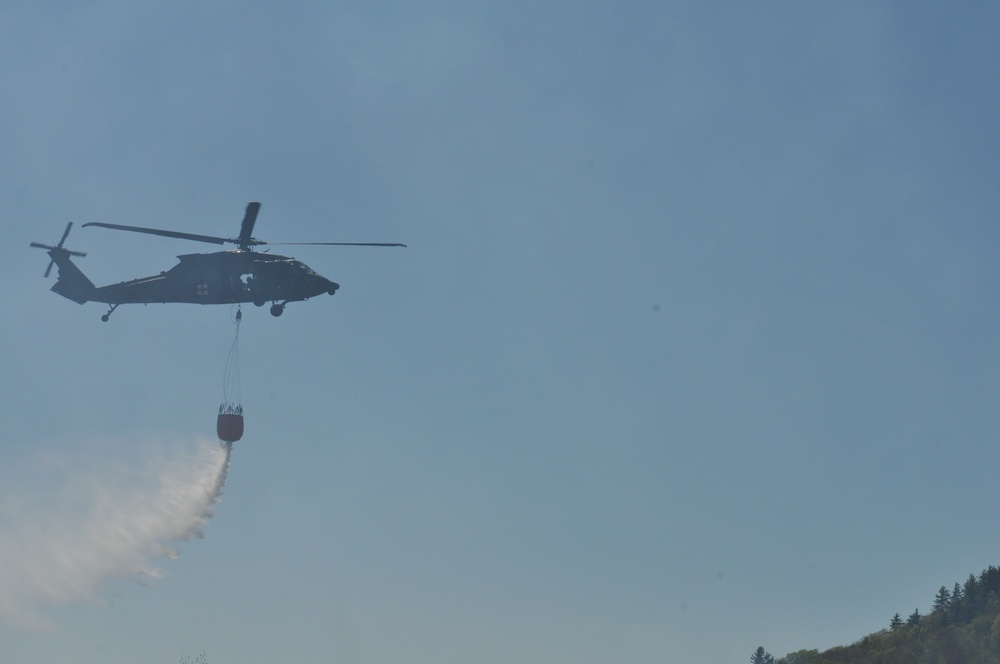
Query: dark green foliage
x=201, y=659
x=761, y=656
x=963, y=628
x=942, y=601
x=959, y=609
x=970, y=590
x=957, y=594
x=802, y=657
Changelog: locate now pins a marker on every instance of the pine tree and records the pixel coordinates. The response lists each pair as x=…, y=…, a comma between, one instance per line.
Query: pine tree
x=957, y=594
x=957, y=609
x=761, y=656
x=895, y=623
x=971, y=592
x=914, y=618
x=990, y=580
x=942, y=600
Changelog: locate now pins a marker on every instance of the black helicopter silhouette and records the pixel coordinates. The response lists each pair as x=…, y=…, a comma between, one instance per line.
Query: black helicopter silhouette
x=223, y=277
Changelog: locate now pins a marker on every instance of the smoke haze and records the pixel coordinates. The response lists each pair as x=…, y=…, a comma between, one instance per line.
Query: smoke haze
x=100, y=522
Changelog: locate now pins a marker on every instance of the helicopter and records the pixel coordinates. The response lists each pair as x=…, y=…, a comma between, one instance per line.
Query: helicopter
x=223, y=277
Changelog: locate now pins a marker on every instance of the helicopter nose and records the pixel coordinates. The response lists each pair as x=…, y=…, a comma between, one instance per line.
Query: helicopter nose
x=332, y=287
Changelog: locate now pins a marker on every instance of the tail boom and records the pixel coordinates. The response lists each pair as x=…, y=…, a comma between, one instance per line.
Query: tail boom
x=72, y=283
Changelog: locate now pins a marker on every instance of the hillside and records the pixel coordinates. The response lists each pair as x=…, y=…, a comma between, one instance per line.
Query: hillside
x=962, y=628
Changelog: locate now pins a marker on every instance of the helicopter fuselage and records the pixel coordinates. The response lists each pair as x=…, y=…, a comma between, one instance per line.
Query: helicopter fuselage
x=224, y=277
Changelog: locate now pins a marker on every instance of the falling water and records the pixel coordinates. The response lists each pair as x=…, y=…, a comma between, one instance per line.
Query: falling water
x=63, y=537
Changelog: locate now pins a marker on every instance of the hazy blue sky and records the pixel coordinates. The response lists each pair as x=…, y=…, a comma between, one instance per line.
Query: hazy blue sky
x=695, y=346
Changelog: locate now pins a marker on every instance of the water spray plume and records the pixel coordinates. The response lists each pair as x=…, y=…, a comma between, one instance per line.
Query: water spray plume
x=63, y=540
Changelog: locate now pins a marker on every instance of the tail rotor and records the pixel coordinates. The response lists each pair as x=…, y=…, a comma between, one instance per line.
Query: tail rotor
x=58, y=247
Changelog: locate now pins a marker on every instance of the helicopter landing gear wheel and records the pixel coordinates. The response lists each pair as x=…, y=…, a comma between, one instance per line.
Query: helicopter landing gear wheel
x=258, y=303
x=277, y=309
x=106, y=316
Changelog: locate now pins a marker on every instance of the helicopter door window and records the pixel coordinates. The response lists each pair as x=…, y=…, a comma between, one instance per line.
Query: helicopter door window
x=247, y=281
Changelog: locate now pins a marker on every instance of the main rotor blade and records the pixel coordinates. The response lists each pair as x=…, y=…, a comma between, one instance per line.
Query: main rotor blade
x=246, y=228
x=156, y=231
x=344, y=244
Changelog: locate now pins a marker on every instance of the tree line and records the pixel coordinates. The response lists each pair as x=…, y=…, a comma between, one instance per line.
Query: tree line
x=962, y=627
